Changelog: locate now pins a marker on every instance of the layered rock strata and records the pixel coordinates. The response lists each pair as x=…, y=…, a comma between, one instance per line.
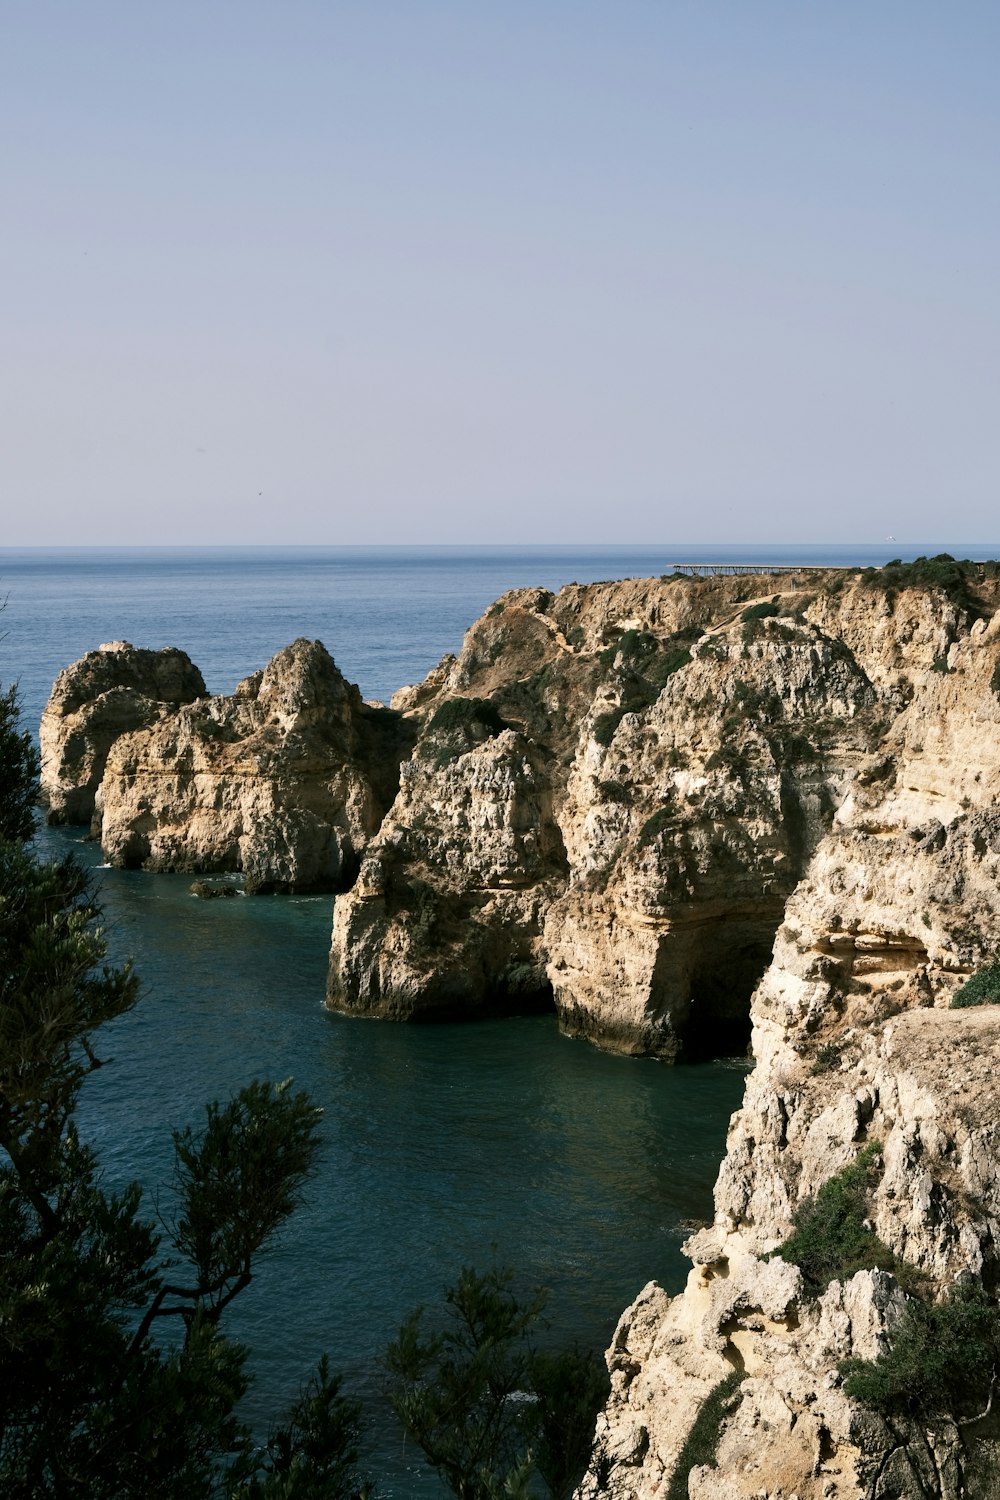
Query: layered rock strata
x=285, y=780
x=109, y=692
x=855, y=1044
x=614, y=792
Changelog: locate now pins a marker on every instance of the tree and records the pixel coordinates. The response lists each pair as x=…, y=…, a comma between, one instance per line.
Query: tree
x=491, y=1413
x=116, y=1379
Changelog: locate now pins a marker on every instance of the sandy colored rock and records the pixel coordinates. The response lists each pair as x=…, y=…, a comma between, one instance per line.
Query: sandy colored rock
x=285, y=780
x=682, y=758
x=854, y=1042
x=109, y=692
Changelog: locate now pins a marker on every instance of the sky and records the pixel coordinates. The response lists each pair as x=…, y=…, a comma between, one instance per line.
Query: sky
x=538, y=271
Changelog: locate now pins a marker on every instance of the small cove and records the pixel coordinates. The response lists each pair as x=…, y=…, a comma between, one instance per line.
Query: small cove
x=445, y=1145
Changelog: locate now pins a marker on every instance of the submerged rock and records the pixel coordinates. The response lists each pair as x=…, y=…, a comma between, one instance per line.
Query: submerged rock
x=212, y=890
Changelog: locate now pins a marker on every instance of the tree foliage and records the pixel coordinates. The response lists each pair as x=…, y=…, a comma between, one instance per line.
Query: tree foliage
x=491, y=1413
x=116, y=1379
x=18, y=772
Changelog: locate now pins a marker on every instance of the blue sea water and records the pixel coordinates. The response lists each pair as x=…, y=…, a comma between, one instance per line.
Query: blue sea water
x=445, y=1145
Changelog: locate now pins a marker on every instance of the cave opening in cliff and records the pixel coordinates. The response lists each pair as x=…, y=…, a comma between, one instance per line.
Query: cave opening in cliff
x=724, y=977
x=527, y=995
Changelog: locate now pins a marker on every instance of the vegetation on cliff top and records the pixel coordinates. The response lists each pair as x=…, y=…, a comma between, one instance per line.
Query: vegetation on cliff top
x=954, y=578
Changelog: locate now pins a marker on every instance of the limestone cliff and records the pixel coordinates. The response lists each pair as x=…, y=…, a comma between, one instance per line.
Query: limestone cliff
x=287, y=779
x=109, y=692
x=614, y=793
x=688, y=814
x=854, y=1043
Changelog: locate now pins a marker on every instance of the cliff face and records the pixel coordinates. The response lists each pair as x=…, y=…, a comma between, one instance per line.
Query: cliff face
x=645, y=803
x=614, y=793
x=854, y=1044
x=286, y=780
x=109, y=692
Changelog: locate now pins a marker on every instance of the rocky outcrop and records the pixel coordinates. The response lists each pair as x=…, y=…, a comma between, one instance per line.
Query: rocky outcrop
x=109, y=692
x=676, y=749
x=285, y=780
x=854, y=1043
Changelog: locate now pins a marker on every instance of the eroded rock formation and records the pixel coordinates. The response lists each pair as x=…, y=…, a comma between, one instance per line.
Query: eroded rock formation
x=643, y=802
x=285, y=780
x=854, y=1043
x=615, y=791
x=109, y=692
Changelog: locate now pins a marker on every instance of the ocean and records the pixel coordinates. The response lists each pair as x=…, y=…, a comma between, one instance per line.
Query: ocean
x=498, y=1142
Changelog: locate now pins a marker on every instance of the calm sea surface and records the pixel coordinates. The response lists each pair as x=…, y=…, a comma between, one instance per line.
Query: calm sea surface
x=444, y=1146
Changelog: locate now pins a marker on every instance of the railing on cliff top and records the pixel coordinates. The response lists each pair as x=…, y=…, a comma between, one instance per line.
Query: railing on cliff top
x=732, y=569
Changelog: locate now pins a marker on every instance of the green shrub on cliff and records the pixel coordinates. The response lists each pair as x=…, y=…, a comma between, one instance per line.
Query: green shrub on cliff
x=458, y=724
x=470, y=714
x=982, y=989
x=766, y=610
x=832, y=1238
x=941, y=1361
x=654, y=826
x=702, y=1442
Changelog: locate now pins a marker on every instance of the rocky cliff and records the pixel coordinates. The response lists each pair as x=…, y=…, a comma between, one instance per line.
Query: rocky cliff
x=855, y=1046
x=688, y=814
x=109, y=692
x=285, y=780
x=615, y=791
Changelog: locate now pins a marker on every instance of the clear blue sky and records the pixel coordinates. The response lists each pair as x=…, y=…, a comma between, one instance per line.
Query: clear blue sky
x=535, y=270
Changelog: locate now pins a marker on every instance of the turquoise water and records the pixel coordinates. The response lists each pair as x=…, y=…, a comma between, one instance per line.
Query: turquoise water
x=444, y=1145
